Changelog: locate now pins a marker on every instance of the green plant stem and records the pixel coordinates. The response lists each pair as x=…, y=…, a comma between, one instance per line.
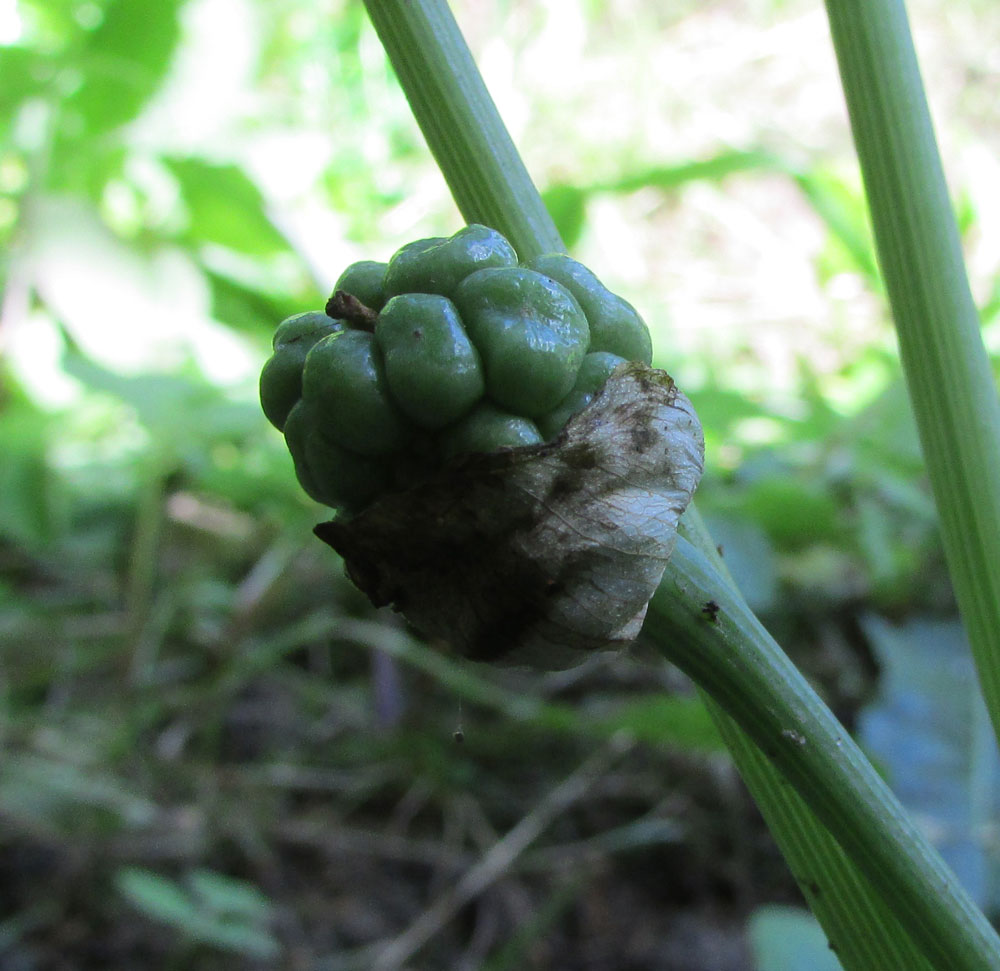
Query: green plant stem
x=858, y=922
x=434, y=67
x=737, y=661
x=775, y=707
x=951, y=385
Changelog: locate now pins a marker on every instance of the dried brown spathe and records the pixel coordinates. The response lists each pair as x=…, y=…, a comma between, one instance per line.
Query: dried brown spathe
x=535, y=555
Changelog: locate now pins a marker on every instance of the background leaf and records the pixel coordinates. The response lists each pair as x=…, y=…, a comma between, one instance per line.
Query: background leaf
x=225, y=207
x=215, y=911
x=122, y=62
x=929, y=729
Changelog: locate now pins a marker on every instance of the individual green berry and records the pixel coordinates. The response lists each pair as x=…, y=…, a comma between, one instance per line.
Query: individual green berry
x=303, y=330
x=328, y=473
x=364, y=280
x=615, y=325
x=281, y=386
x=531, y=334
x=485, y=429
x=281, y=377
x=295, y=439
x=432, y=370
x=344, y=382
x=594, y=372
x=439, y=264
x=404, y=271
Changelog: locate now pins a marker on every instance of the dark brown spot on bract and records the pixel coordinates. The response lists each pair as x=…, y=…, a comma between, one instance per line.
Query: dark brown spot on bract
x=643, y=437
x=417, y=564
x=564, y=484
x=582, y=456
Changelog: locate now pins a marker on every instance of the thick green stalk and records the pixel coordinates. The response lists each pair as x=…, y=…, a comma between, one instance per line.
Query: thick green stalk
x=462, y=126
x=857, y=921
x=733, y=657
x=776, y=707
x=948, y=373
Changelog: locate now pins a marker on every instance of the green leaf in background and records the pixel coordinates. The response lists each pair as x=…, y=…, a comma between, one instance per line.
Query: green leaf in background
x=789, y=939
x=990, y=308
x=887, y=547
x=842, y=208
x=24, y=74
x=234, y=898
x=681, y=723
x=750, y=557
x=567, y=205
x=225, y=207
x=793, y=513
x=720, y=408
x=217, y=910
x=156, y=896
x=49, y=792
x=178, y=409
x=252, y=310
x=123, y=62
x=886, y=432
x=711, y=169
x=929, y=729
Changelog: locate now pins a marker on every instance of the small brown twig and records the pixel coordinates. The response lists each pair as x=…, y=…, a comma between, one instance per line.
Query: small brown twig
x=347, y=307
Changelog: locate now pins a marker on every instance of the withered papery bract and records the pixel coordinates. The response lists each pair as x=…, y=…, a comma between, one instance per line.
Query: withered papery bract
x=536, y=555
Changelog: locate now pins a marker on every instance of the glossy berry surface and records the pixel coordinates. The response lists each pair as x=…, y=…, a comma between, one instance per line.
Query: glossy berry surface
x=531, y=332
x=440, y=264
x=615, y=325
x=433, y=371
x=281, y=378
x=487, y=428
x=344, y=382
x=595, y=369
x=449, y=348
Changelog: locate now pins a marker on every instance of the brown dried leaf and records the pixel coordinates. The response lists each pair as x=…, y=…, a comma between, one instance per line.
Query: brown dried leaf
x=537, y=554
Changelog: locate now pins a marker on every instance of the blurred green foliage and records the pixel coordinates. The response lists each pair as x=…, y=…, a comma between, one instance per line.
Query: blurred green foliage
x=212, y=909
x=202, y=722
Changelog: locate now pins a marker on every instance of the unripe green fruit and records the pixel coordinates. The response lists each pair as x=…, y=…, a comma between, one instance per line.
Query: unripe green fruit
x=438, y=265
x=296, y=427
x=531, y=333
x=449, y=348
x=485, y=429
x=432, y=370
x=281, y=378
x=594, y=372
x=328, y=473
x=615, y=325
x=344, y=383
x=303, y=330
x=366, y=281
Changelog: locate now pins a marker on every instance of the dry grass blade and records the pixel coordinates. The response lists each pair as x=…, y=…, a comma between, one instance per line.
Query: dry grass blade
x=498, y=860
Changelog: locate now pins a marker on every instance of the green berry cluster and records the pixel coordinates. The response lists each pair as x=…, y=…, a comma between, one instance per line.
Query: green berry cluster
x=451, y=347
